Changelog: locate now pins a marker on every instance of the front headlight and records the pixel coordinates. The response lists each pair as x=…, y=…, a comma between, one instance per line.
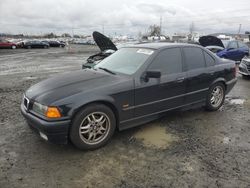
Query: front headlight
x=39, y=108
x=47, y=111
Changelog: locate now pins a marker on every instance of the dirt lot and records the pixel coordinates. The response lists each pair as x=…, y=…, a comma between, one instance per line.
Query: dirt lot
x=194, y=148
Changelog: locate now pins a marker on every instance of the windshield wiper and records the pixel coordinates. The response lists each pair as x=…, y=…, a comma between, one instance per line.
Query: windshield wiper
x=107, y=70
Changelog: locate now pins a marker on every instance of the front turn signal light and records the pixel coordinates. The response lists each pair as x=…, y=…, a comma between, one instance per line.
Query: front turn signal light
x=53, y=112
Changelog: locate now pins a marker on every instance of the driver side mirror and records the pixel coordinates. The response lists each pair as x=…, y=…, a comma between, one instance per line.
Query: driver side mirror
x=151, y=74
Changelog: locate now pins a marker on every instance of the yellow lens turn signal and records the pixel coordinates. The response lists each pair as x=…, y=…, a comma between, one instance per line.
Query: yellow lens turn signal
x=53, y=112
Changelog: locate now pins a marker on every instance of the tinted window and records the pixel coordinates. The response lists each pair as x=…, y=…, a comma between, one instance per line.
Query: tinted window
x=232, y=45
x=242, y=45
x=168, y=61
x=194, y=58
x=209, y=60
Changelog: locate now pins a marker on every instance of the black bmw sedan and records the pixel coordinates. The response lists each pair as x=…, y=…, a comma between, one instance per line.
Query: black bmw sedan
x=131, y=87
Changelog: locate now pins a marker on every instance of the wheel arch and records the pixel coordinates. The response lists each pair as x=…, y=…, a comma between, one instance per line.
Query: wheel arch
x=219, y=80
x=103, y=102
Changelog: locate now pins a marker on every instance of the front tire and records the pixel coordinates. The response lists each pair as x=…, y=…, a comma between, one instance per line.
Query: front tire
x=92, y=127
x=13, y=47
x=215, y=97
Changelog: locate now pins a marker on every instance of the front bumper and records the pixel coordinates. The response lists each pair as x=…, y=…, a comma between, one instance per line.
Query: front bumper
x=244, y=70
x=55, y=131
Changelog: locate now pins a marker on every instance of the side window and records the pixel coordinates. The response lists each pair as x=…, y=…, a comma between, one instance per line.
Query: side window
x=168, y=61
x=209, y=60
x=194, y=58
x=242, y=45
x=232, y=45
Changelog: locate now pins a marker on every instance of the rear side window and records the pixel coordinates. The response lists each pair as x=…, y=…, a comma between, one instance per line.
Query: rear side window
x=209, y=60
x=194, y=58
x=242, y=45
x=168, y=61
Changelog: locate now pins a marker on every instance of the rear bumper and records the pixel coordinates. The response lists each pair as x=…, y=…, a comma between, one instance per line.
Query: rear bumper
x=55, y=131
x=230, y=84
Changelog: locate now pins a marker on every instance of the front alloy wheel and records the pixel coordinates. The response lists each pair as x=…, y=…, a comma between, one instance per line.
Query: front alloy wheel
x=92, y=127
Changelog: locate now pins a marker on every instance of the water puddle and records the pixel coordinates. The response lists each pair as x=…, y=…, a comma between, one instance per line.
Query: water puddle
x=30, y=78
x=155, y=136
x=226, y=140
x=236, y=101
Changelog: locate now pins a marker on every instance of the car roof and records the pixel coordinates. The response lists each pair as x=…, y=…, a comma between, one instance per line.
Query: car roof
x=161, y=45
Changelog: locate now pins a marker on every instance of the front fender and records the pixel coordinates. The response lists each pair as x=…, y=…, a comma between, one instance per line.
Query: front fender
x=92, y=99
x=73, y=103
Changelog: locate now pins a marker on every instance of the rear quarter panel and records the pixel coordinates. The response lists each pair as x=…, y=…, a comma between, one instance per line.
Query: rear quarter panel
x=224, y=70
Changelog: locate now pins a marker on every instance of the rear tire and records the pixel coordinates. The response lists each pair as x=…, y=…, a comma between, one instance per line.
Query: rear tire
x=215, y=97
x=92, y=127
x=13, y=47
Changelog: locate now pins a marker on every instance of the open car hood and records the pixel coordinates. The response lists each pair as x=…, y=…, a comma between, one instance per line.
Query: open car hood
x=210, y=41
x=103, y=42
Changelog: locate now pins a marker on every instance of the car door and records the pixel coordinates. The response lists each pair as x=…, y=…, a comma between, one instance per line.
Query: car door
x=198, y=76
x=233, y=50
x=166, y=92
x=37, y=44
x=243, y=50
x=5, y=44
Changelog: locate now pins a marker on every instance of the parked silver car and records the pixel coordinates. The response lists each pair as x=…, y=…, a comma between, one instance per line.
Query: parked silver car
x=244, y=67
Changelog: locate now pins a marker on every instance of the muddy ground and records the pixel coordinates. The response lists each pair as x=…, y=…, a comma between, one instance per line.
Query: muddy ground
x=194, y=148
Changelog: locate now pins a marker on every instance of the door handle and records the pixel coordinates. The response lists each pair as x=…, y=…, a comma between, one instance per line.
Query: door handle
x=180, y=79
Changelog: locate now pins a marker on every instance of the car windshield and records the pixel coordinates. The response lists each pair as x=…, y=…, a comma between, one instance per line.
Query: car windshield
x=225, y=43
x=126, y=60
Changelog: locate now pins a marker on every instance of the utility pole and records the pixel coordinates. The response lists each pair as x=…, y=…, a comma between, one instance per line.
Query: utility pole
x=102, y=28
x=160, y=24
x=239, y=29
x=72, y=31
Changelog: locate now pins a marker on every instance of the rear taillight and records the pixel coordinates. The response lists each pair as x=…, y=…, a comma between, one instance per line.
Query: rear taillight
x=235, y=71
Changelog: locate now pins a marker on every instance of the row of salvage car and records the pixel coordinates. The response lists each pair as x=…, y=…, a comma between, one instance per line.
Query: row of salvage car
x=31, y=44
x=234, y=50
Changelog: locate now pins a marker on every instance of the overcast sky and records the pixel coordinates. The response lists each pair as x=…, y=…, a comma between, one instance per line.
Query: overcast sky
x=122, y=16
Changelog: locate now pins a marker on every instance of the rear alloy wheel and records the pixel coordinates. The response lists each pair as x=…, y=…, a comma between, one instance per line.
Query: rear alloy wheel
x=216, y=97
x=13, y=47
x=92, y=127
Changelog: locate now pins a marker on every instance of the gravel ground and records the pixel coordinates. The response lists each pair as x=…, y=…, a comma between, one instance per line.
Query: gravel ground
x=192, y=148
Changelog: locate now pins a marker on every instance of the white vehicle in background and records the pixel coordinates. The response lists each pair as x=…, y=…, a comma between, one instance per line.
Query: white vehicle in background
x=244, y=67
